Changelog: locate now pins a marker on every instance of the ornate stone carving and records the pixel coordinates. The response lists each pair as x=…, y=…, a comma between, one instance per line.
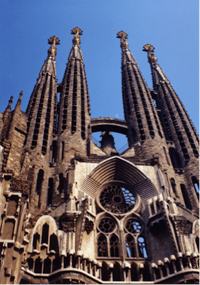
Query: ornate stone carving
x=183, y=226
x=68, y=221
x=18, y=185
x=88, y=225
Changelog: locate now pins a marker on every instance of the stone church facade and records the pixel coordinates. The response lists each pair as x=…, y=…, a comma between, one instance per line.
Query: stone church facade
x=76, y=213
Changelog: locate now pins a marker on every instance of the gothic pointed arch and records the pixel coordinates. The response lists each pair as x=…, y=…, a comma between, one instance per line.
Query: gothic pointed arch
x=119, y=169
x=43, y=231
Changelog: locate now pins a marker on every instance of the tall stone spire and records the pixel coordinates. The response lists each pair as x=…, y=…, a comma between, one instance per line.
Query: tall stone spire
x=42, y=107
x=176, y=123
x=139, y=110
x=74, y=114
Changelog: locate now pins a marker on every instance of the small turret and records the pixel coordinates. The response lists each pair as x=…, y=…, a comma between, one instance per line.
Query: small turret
x=7, y=110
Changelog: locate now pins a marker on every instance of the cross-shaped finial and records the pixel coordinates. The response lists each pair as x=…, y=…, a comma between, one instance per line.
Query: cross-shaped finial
x=53, y=41
x=77, y=32
x=123, y=36
x=152, y=59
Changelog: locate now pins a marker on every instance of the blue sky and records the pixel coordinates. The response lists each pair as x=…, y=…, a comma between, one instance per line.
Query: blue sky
x=171, y=26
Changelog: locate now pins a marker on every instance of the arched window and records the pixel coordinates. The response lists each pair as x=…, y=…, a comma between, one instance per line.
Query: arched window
x=45, y=234
x=135, y=242
x=36, y=239
x=197, y=242
x=173, y=184
x=195, y=182
x=50, y=192
x=102, y=245
x=38, y=265
x=61, y=182
x=63, y=150
x=146, y=273
x=47, y=265
x=117, y=238
x=56, y=263
x=106, y=227
x=134, y=272
x=117, y=274
x=142, y=247
x=30, y=263
x=105, y=272
x=130, y=246
x=176, y=161
x=186, y=197
x=54, y=151
x=39, y=181
x=39, y=184
x=54, y=243
x=114, y=246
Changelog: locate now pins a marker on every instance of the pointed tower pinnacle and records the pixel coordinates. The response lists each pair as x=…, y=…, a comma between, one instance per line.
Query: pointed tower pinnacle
x=176, y=123
x=7, y=110
x=15, y=116
x=139, y=110
x=74, y=115
x=18, y=105
x=42, y=107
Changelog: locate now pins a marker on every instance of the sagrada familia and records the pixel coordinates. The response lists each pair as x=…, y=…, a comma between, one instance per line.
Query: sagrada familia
x=73, y=212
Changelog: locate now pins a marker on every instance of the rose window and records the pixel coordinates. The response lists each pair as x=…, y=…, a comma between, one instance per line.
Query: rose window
x=133, y=226
x=106, y=225
x=117, y=199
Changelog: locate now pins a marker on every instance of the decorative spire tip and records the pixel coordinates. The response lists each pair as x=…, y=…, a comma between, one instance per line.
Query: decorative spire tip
x=53, y=41
x=152, y=59
x=77, y=32
x=123, y=36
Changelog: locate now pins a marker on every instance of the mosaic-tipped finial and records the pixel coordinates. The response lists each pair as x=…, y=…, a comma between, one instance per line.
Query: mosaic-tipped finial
x=123, y=38
x=53, y=41
x=150, y=50
x=77, y=32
